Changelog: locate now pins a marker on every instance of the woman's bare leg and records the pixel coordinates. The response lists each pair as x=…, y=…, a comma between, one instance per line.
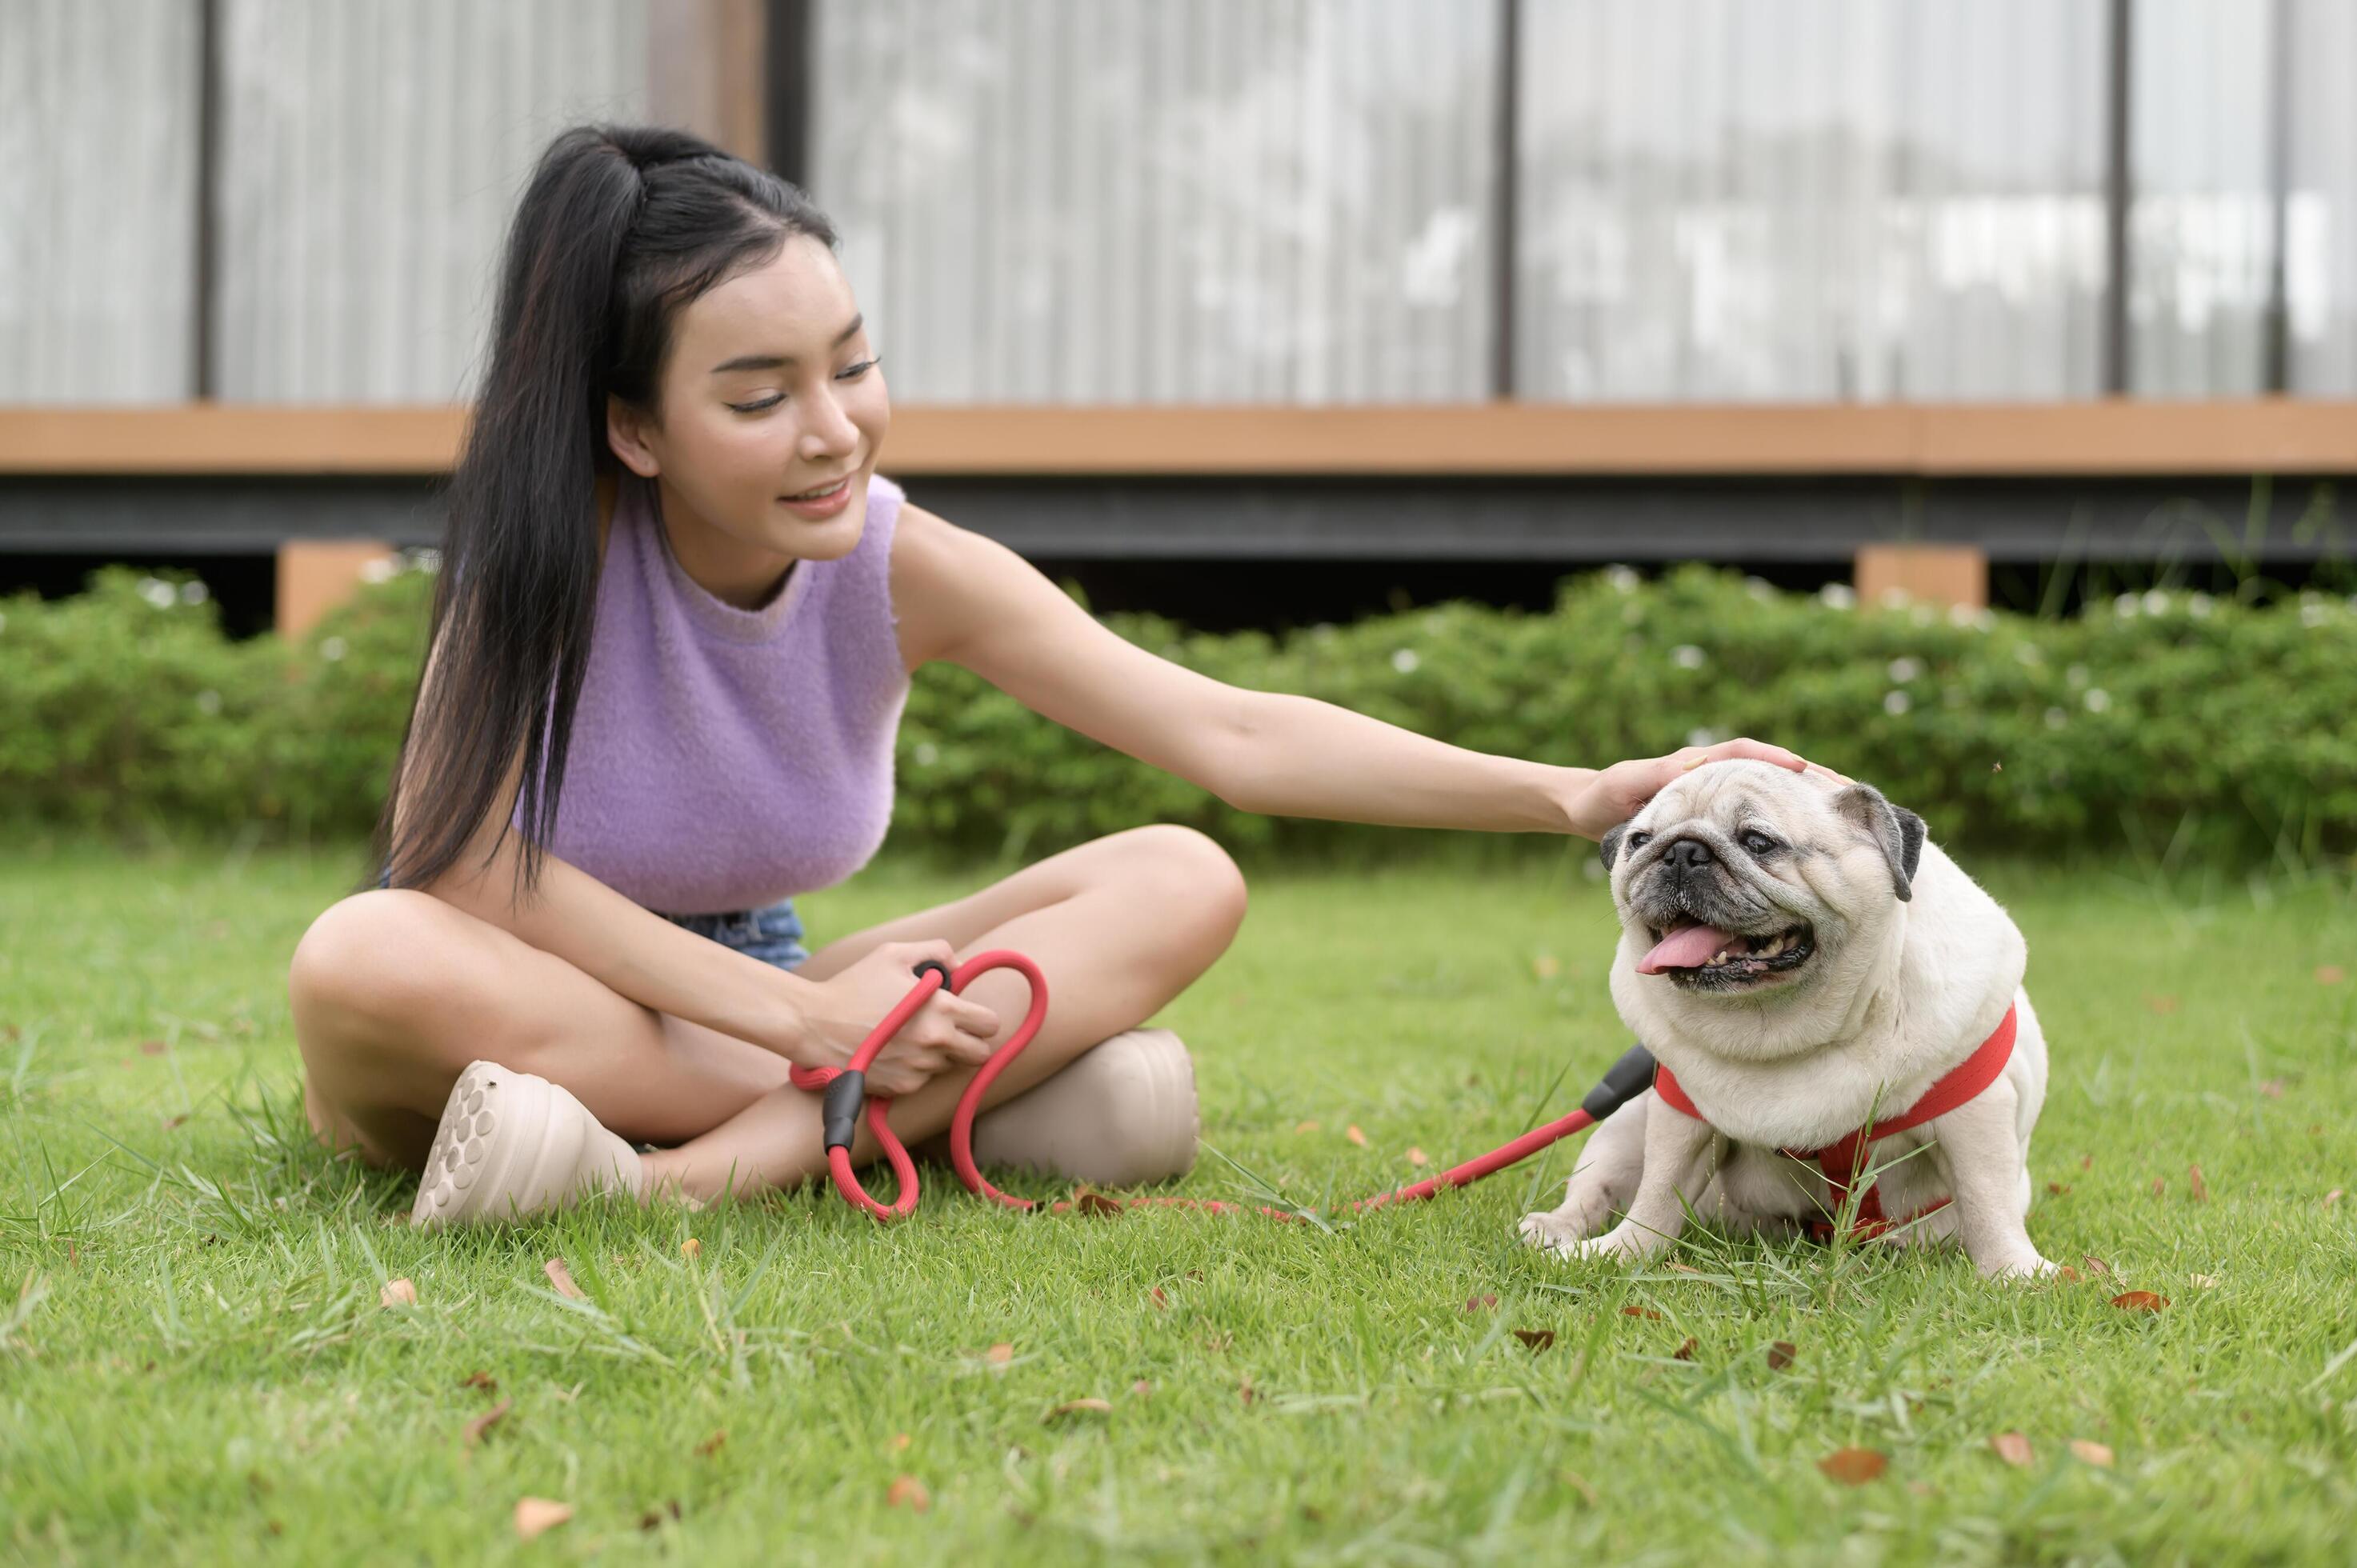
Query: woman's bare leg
x=394, y=993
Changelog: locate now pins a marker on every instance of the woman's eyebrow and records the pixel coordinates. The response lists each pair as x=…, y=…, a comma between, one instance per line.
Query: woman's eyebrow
x=780, y=361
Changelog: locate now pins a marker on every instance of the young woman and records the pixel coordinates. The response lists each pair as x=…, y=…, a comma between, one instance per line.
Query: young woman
x=674, y=626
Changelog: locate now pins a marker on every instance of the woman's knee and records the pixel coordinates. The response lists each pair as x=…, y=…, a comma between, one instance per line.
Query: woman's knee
x=1187, y=871
x=365, y=971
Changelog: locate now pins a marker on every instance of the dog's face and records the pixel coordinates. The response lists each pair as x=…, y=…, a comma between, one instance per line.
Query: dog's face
x=1742, y=880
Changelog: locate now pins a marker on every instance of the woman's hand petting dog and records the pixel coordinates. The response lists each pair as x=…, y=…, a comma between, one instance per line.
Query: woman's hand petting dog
x=1602, y=802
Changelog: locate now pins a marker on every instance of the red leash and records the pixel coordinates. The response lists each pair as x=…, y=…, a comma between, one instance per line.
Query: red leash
x=845, y=1089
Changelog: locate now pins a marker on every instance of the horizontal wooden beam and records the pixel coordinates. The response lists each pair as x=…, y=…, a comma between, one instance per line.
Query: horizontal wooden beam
x=2110, y=438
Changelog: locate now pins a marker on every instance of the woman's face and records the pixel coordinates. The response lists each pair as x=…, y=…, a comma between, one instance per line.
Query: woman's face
x=773, y=405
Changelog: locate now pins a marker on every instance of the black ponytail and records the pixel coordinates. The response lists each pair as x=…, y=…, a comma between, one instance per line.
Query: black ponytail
x=618, y=227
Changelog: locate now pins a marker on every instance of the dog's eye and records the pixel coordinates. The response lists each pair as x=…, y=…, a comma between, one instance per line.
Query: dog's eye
x=1758, y=842
x=1636, y=841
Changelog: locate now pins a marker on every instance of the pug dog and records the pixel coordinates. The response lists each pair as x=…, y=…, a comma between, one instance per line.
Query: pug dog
x=1806, y=965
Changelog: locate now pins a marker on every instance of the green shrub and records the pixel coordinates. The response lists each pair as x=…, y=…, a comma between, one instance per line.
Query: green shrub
x=2147, y=718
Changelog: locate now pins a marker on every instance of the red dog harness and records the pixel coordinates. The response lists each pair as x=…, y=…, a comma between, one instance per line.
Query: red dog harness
x=1842, y=1162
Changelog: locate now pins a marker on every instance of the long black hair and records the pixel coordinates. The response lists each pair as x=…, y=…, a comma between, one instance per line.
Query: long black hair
x=617, y=229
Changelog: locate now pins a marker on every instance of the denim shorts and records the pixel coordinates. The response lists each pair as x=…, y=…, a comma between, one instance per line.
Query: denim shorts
x=773, y=935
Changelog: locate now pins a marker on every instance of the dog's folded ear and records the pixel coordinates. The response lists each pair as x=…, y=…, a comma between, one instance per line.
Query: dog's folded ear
x=1609, y=846
x=1897, y=830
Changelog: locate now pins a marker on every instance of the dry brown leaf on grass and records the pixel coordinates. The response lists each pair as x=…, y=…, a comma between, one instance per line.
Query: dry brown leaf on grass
x=998, y=1355
x=1305, y=1126
x=2273, y=1088
x=483, y=1381
x=2059, y=1190
x=2331, y=974
x=2139, y=1301
x=653, y=1517
x=1480, y=1302
x=2093, y=1453
x=1355, y=1136
x=1161, y=1301
x=2162, y=1004
x=2201, y=1188
x=2332, y=1197
x=1685, y=1352
x=691, y=1248
x=2013, y=1448
x=1640, y=1312
x=908, y=1492
x=1781, y=1353
x=1141, y=1388
x=1080, y=1407
x=1854, y=1466
x=153, y=1048
x=535, y=1516
x=398, y=1293
x=1099, y=1205
x=1416, y=1157
x=2206, y=1281
x=485, y=1421
x=562, y=1278
x=711, y=1445
x=1544, y=966
x=1538, y=1339
x=2095, y=1265
x=2065, y=1271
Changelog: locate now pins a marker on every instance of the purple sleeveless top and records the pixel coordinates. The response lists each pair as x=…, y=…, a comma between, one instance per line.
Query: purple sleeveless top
x=722, y=759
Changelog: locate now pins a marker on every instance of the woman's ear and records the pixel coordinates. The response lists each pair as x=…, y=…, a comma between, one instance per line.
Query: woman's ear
x=626, y=433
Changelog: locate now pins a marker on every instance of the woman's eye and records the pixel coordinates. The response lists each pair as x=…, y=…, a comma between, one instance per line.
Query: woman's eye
x=757, y=407
x=852, y=372
x=1758, y=843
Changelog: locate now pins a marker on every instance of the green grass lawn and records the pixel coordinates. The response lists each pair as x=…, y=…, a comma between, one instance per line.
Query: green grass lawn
x=194, y=1364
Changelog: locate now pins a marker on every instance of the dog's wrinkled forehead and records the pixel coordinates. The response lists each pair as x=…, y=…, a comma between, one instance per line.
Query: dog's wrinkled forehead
x=1730, y=794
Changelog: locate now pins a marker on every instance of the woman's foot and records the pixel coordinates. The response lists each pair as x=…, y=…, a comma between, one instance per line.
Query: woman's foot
x=511, y=1145
x=1121, y=1113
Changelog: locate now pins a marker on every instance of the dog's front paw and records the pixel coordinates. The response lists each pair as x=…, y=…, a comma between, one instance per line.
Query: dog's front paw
x=1555, y=1231
x=2024, y=1267
x=1623, y=1243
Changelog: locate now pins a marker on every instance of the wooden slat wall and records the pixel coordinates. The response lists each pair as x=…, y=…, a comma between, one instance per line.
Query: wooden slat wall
x=1957, y=440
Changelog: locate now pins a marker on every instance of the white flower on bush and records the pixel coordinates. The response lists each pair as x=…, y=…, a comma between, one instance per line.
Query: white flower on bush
x=1687, y=656
x=1965, y=617
x=2124, y=606
x=194, y=593
x=333, y=649
x=1896, y=703
x=159, y=593
x=2198, y=605
x=2097, y=699
x=1404, y=661
x=2056, y=719
x=2155, y=601
x=1622, y=579
x=1760, y=588
x=1704, y=736
x=208, y=703
x=2076, y=675
x=925, y=753
x=378, y=569
x=1905, y=669
x=2030, y=653
x=1838, y=597
x=2314, y=613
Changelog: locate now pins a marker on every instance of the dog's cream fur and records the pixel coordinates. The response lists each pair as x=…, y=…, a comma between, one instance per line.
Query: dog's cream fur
x=1910, y=974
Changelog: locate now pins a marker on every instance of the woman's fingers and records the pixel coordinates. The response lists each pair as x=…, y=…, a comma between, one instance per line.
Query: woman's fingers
x=1745, y=749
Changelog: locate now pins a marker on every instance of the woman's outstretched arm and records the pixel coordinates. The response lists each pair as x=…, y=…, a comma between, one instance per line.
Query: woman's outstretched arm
x=972, y=602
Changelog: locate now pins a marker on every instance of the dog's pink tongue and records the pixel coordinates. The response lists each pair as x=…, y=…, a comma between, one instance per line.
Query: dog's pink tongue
x=1688, y=949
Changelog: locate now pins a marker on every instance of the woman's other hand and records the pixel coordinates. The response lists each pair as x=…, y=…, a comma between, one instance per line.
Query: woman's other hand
x=947, y=1031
